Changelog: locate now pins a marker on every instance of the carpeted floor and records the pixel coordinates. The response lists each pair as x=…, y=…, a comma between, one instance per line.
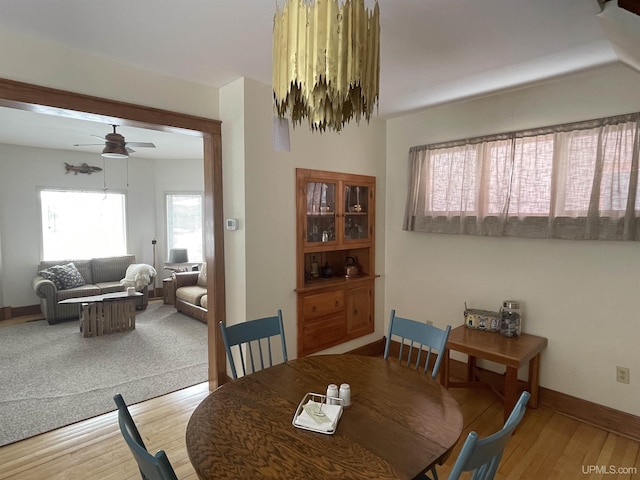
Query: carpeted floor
x=50, y=376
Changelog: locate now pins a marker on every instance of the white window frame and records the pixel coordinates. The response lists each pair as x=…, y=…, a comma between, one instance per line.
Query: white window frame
x=195, y=256
x=88, y=232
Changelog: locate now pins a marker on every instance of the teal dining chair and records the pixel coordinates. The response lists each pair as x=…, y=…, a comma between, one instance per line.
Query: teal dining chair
x=152, y=467
x=422, y=336
x=250, y=334
x=482, y=456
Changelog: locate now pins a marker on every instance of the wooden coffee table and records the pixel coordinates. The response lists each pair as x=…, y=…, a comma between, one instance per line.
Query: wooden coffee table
x=108, y=313
x=513, y=353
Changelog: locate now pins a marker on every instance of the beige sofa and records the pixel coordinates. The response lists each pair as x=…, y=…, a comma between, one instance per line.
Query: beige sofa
x=98, y=276
x=191, y=293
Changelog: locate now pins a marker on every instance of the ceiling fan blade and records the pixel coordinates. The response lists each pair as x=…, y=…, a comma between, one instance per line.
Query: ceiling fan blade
x=97, y=136
x=130, y=150
x=140, y=144
x=87, y=144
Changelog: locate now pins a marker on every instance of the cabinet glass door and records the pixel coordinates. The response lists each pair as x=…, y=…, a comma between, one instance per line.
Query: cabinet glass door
x=356, y=212
x=321, y=212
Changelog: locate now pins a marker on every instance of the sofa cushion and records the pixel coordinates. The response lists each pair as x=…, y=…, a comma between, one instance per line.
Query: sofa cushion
x=110, y=269
x=68, y=276
x=191, y=294
x=83, y=291
x=204, y=302
x=110, y=287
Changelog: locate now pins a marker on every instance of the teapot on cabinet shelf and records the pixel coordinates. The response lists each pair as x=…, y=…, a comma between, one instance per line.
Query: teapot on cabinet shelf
x=351, y=268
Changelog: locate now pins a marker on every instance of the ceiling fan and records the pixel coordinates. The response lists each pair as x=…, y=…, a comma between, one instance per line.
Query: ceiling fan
x=115, y=145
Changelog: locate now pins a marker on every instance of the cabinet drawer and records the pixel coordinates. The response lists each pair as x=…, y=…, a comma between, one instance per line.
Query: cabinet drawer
x=320, y=334
x=321, y=304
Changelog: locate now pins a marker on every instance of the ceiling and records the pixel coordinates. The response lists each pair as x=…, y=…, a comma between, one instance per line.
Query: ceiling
x=432, y=51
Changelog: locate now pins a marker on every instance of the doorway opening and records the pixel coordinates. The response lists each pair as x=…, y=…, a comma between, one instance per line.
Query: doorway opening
x=46, y=100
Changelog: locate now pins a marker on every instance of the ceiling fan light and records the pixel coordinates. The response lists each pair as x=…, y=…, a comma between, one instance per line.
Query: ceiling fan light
x=114, y=150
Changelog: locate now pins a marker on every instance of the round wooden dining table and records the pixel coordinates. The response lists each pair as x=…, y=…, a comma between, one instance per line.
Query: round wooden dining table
x=399, y=424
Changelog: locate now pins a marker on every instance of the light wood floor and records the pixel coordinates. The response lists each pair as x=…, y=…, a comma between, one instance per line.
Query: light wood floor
x=546, y=445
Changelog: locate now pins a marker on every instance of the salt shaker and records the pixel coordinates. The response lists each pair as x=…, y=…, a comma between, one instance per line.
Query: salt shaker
x=332, y=392
x=345, y=395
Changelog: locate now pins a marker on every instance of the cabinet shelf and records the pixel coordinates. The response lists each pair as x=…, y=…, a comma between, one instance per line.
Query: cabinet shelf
x=320, y=283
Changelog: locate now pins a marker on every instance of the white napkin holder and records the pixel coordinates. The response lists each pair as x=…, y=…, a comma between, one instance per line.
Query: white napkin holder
x=327, y=423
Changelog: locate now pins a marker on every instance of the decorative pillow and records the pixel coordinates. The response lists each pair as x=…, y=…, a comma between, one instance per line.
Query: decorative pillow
x=50, y=274
x=68, y=275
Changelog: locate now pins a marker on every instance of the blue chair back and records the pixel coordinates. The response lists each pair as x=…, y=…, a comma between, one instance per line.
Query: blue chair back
x=152, y=467
x=251, y=334
x=422, y=336
x=483, y=456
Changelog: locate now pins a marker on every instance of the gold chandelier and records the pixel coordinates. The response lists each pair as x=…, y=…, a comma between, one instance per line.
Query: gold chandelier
x=326, y=61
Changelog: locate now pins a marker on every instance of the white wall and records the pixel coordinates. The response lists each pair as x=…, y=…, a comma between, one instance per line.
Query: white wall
x=265, y=201
x=28, y=60
x=582, y=296
x=232, y=110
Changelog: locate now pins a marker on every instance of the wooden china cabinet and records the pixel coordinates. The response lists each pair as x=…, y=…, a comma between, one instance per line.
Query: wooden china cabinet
x=335, y=256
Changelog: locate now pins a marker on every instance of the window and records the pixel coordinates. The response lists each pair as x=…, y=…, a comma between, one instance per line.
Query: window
x=573, y=181
x=184, y=224
x=82, y=224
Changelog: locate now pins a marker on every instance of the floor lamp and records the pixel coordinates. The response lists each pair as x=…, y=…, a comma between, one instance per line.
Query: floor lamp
x=153, y=243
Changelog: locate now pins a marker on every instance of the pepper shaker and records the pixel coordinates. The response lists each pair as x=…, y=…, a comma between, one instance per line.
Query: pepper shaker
x=345, y=394
x=332, y=392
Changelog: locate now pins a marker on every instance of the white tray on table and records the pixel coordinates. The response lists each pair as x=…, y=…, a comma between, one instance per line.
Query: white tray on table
x=325, y=423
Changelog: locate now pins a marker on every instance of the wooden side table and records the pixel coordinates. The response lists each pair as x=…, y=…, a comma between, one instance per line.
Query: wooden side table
x=169, y=291
x=513, y=353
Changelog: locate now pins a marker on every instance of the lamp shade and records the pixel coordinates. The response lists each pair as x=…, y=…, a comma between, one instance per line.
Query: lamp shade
x=178, y=255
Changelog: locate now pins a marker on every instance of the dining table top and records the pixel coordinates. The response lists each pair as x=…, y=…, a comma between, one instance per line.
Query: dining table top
x=400, y=423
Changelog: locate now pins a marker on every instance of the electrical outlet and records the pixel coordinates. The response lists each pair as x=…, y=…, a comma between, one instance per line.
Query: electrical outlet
x=622, y=374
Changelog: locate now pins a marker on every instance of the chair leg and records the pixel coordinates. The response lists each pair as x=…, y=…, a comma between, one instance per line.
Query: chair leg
x=434, y=474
